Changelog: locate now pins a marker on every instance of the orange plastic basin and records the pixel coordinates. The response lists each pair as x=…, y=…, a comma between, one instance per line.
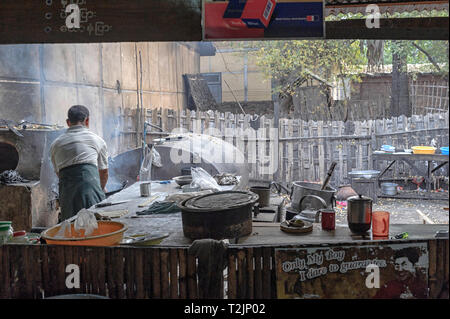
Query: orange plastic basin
x=423, y=149
x=108, y=233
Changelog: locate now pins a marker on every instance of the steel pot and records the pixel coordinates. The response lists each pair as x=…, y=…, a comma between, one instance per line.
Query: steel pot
x=302, y=189
x=299, y=190
x=359, y=213
x=264, y=195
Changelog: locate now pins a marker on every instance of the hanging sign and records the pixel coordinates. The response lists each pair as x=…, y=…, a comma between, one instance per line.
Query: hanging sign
x=385, y=272
x=77, y=21
x=263, y=19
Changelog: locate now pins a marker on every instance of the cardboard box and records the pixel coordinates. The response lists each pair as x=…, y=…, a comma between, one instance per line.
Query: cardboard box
x=218, y=27
x=257, y=13
x=234, y=9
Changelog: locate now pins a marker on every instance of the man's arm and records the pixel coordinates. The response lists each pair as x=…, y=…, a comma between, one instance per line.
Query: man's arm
x=103, y=177
x=103, y=166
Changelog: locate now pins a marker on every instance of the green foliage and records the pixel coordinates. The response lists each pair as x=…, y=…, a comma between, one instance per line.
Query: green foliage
x=419, y=61
x=331, y=59
x=325, y=58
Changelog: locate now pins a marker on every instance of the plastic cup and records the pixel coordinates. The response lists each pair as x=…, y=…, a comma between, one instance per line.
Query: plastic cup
x=328, y=219
x=380, y=224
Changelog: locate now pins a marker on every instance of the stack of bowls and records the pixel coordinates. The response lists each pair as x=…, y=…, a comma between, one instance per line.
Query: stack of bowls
x=388, y=148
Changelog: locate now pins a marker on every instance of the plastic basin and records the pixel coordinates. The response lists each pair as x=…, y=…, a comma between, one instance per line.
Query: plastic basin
x=444, y=150
x=423, y=150
x=108, y=233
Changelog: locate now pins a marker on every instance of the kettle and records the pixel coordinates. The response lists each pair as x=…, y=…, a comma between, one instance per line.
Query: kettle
x=359, y=214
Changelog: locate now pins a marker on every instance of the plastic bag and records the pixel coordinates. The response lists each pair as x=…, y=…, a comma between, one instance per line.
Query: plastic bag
x=201, y=178
x=156, y=158
x=65, y=231
x=86, y=220
x=146, y=166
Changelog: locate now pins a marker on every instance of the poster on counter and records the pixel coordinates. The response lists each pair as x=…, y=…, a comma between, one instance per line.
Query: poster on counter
x=361, y=272
x=263, y=19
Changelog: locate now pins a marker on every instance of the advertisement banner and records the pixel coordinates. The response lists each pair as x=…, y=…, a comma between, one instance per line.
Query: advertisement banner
x=360, y=272
x=263, y=19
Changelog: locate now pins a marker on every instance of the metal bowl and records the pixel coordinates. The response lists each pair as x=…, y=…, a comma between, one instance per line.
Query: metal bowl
x=183, y=180
x=389, y=188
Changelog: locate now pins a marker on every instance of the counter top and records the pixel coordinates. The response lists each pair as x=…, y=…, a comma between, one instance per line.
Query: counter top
x=262, y=233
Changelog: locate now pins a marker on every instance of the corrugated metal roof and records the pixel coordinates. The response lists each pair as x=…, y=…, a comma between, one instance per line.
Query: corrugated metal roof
x=334, y=7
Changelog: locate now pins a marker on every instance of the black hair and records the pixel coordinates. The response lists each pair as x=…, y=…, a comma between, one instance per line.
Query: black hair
x=77, y=113
x=411, y=253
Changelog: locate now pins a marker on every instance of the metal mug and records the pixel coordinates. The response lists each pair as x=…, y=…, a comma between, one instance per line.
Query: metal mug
x=359, y=213
x=145, y=189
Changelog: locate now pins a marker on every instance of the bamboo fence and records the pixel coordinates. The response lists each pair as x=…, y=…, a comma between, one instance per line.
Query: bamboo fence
x=303, y=150
x=39, y=271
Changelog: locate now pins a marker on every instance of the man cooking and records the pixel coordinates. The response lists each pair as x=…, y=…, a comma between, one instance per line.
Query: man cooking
x=80, y=159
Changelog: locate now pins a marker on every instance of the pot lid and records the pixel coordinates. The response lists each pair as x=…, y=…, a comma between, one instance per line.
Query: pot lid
x=221, y=200
x=359, y=198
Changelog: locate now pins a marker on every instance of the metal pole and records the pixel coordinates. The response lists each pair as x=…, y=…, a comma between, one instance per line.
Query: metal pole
x=276, y=121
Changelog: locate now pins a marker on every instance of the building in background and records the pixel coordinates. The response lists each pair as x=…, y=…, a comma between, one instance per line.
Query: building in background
x=232, y=74
x=40, y=82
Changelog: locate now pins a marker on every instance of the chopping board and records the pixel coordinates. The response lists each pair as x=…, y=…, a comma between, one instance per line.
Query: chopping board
x=114, y=213
x=306, y=228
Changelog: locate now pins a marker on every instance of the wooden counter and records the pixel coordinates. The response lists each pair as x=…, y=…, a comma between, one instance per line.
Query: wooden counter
x=251, y=267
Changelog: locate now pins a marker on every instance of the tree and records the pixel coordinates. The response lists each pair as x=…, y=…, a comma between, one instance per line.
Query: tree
x=328, y=59
x=400, y=81
x=288, y=63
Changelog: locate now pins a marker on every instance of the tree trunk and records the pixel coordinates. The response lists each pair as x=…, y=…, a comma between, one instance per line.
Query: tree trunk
x=400, y=83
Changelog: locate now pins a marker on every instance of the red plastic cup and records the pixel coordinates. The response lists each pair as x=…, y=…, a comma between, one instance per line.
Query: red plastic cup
x=380, y=224
x=328, y=219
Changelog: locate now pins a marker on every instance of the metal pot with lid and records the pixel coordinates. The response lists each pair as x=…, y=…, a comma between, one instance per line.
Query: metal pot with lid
x=218, y=215
x=359, y=213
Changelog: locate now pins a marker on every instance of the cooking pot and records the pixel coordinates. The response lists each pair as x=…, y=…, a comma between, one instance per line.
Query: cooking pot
x=389, y=188
x=264, y=195
x=312, y=192
x=220, y=215
x=359, y=213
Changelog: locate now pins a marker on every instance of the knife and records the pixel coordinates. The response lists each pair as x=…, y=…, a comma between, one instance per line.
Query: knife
x=110, y=204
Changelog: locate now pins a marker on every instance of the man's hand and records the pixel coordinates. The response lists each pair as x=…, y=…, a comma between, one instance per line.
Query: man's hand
x=103, y=178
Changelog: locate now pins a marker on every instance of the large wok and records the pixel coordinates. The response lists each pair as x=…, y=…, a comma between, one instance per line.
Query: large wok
x=309, y=195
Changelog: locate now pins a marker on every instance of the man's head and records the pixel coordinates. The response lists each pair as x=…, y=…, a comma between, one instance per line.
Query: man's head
x=78, y=115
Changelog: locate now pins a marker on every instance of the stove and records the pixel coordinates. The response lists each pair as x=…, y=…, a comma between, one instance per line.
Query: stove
x=32, y=203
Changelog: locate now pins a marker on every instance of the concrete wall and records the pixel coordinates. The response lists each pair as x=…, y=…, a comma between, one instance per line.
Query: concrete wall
x=40, y=82
x=240, y=72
